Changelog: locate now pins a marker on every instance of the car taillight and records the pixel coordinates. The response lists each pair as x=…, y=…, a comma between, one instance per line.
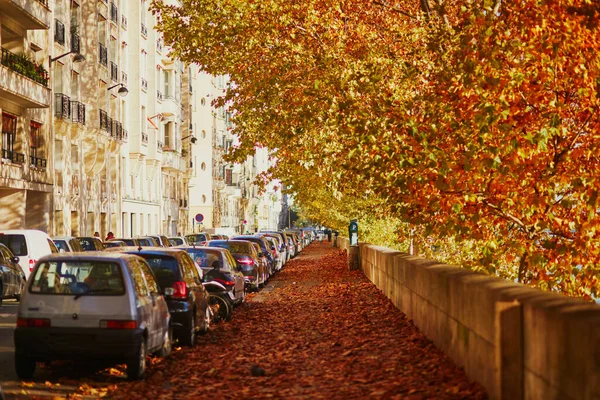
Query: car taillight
x=32, y=262
x=118, y=324
x=33, y=322
x=247, y=261
x=203, y=243
x=180, y=290
x=224, y=282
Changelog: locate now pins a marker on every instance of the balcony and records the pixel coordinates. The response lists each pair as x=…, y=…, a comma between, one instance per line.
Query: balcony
x=62, y=106
x=104, y=121
x=38, y=162
x=114, y=13
x=103, y=55
x=30, y=14
x=144, y=138
x=23, y=82
x=123, y=77
x=114, y=72
x=170, y=106
x=159, y=95
x=159, y=146
x=13, y=156
x=78, y=112
x=144, y=31
x=144, y=85
x=75, y=43
x=123, y=21
x=59, y=32
x=171, y=160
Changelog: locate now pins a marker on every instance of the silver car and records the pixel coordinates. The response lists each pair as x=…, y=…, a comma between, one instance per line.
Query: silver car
x=91, y=305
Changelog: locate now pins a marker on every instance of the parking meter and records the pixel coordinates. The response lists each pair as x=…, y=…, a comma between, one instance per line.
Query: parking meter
x=353, y=232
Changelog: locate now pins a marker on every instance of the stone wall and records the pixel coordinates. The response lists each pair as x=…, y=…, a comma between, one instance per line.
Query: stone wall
x=518, y=342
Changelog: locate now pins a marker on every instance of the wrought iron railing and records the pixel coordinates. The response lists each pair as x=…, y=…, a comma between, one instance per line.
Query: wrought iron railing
x=125, y=135
x=103, y=55
x=38, y=162
x=104, y=120
x=159, y=95
x=114, y=13
x=13, y=156
x=24, y=66
x=144, y=84
x=159, y=45
x=123, y=21
x=75, y=43
x=144, y=137
x=62, y=106
x=44, y=2
x=59, y=32
x=114, y=72
x=123, y=77
x=78, y=112
x=159, y=146
x=144, y=30
x=117, y=129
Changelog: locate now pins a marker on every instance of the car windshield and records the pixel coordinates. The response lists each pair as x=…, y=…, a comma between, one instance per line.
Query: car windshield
x=234, y=247
x=129, y=242
x=165, y=268
x=61, y=245
x=204, y=258
x=176, y=241
x=79, y=278
x=87, y=244
x=16, y=244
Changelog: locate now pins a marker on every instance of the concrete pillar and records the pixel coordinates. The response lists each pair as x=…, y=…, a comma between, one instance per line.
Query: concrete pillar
x=509, y=351
x=353, y=258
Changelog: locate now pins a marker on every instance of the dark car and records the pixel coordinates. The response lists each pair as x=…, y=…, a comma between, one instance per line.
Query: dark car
x=265, y=248
x=218, y=265
x=12, y=277
x=114, y=243
x=148, y=241
x=198, y=239
x=246, y=258
x=127, y=241
x=179, y=280
x=91, y=243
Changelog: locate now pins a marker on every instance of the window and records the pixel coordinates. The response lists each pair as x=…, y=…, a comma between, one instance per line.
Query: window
x=203, y=166
x=203, y=199
x=35, y=139
x=143, y=127
x=89, y=278
x=138, y=278
x=150, y=280
x=9, y=135
x=167, y=83
x=169, y=142
x=203, y=134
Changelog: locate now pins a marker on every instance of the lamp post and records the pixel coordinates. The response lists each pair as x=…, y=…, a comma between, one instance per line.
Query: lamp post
x=123, y=91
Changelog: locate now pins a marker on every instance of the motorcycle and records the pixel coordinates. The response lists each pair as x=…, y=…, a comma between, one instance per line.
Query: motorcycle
x=221, y=305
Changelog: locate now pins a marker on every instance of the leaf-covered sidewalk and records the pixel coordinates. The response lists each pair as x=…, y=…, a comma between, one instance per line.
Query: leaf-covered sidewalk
x=317, y=331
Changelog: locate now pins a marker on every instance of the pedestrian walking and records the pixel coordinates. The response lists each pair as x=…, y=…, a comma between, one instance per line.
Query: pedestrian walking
x=109, y=236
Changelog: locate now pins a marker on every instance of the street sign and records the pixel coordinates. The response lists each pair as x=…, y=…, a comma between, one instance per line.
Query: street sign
x=199, y=217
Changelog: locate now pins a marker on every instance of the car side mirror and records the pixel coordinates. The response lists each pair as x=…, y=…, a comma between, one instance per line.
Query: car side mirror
x=15, y=259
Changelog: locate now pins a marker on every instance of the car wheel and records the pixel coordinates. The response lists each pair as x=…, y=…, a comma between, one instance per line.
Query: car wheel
x=206, y=321
x=189, y=336
x=136, y=367
x=24, y=366
x=167, y=347
x=21, y=288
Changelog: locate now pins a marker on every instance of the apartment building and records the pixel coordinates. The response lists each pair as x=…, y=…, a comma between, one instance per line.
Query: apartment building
x=25, y=101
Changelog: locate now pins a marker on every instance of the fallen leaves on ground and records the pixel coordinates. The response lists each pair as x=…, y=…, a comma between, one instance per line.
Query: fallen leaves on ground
x=316, y=331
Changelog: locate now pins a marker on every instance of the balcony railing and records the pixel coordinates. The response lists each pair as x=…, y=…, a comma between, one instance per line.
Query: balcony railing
x=59, y=32
x=114, y=13
x=38, y=162
x=78, y=112
x=159, y=95
x=117, y=129
x=123, y=21
x=144, y=85
x=62, y=106
x=159, y=45
x=103, y=55
x=114, y=72
x=125, y=135
x=104, y=121
x=159, y=146
x=13, y=156
x=123, y=77
x=144, y=138
x=25, y=67
x=44, y=2
x=75, y=43
x=144, y=30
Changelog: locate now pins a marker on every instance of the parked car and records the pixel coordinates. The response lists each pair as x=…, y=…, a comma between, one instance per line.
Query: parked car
x=29, y=245
x=179, y=280
x=86, y=306
x=127, y=241
x=247, y=259
x=12, y=277
x=218, y=265
x=91, y=243
x=162, y=240
x=67, y=244
x=265, y=249
x=177, y=241
x=199, y=239
x=275, y=251
x=283, y=248
x=114, y=243
x=262, y=260
x=147, y=241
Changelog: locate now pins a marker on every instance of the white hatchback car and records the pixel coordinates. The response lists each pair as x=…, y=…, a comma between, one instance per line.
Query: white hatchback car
x=29, y=245
x=93, y=305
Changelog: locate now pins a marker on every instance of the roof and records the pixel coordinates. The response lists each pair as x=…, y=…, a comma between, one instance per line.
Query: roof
x=145, y=250
x=86, y=255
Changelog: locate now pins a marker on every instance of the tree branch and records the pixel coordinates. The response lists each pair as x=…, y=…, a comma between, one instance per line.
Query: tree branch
x=380, y=3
